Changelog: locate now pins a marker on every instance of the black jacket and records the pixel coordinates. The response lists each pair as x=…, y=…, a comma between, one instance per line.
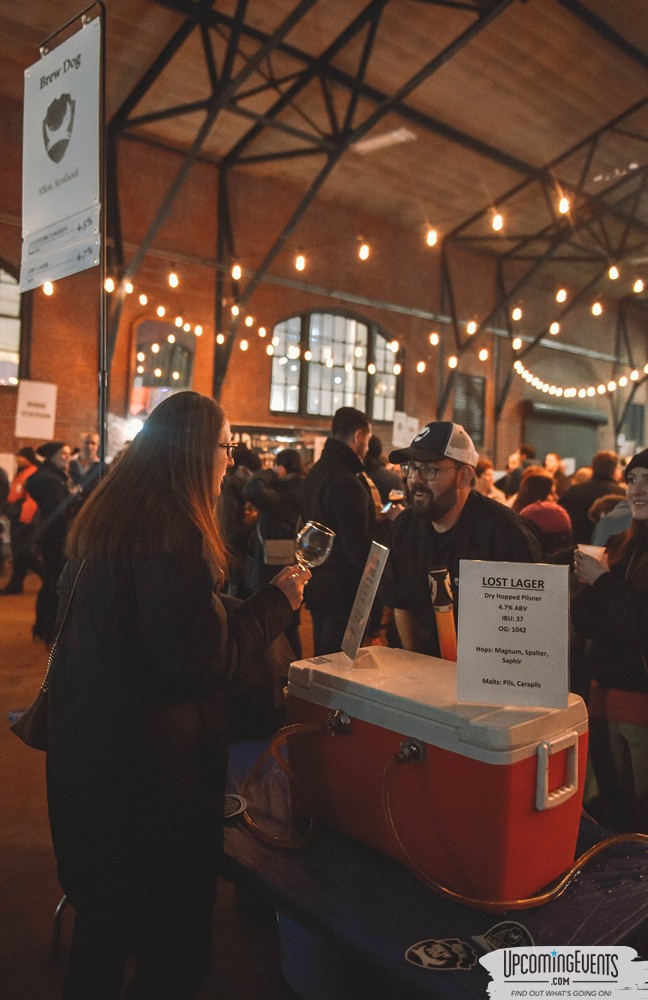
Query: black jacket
x=578, y=500
x=614, y=615
x=486, y=529
x=336, y=494
x=278, y=501
x=137, y=754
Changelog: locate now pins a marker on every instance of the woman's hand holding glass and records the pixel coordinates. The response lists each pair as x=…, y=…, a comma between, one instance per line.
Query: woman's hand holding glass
x=291, y=581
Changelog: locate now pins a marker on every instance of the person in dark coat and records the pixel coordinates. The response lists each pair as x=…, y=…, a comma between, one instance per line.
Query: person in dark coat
x=337, y=493
x=611, y=611
x=385, y=479
x=51, y=489
x=137, y=727
x=578, y=499
x=276, y=495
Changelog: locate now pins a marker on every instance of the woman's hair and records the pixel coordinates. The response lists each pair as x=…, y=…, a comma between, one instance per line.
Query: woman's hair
x=158, y=498
x=536, y=484
x=291, y=461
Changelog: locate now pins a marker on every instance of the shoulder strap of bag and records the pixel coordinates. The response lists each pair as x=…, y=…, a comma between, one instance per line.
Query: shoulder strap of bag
x=50, y=658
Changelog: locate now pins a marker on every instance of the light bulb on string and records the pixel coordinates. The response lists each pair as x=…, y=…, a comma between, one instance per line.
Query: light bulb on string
x=497, y=221
x=186, y=327
x=483, y=354
x=179, y=321
x=143, y=299
x=516, y=343
x=393, y=346
x=435, y=339
x=397, y=369
x=48, y=288
x=516, y=315
x=564, y=205
x=237, y=272
x=270, y=350
x=371, y=368
x=363, y=249
x=597, y=308
x=471, y=328
x=613, y=272
x=249, y=320
x=235, y=310
x=262, y=331
x=561, y=295
x=554, y=328
x=420, y=367
x=244, y=345
x=160, y=311
x=174, y=280
x=171, y=338
x=453, y=361
x=431, y=237
x=198, y=330
x=638, y=286
x=128, y=287
x=300, y=261
x=220, y=338
x=109, y=285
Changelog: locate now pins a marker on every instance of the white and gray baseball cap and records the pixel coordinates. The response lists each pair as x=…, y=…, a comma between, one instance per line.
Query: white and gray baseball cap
x=439, y=439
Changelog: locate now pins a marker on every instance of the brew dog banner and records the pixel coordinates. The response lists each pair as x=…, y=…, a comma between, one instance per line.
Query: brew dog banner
x=61, y=160
x=513, y=646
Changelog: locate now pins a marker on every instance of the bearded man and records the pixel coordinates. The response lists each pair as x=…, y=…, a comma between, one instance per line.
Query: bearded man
x=446, y=521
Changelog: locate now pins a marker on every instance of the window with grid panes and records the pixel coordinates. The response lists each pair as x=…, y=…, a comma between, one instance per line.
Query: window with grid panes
x=9, y=328
x=321, y=361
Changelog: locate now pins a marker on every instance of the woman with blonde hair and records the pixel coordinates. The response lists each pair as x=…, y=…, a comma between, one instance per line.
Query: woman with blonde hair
x=137, y=732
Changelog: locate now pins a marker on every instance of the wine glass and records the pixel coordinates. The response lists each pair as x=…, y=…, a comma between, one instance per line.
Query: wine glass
x=313, y=544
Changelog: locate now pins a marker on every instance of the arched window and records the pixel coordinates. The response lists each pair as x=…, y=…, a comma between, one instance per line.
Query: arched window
x=164, y=357
x=10, y=325
x=322, y=361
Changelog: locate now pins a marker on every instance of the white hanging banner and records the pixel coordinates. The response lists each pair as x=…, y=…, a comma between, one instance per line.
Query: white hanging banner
x=61, y=159
x=36, y=410
x=513, y=635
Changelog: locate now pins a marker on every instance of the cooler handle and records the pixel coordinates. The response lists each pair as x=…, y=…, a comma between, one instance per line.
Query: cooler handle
x=544, y=798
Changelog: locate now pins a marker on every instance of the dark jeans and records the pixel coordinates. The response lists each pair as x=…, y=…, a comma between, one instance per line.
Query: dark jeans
x=23, y=556
x=328, y=632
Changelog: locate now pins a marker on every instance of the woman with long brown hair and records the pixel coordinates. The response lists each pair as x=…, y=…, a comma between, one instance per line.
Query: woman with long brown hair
x=137, y=737
x=612, y=611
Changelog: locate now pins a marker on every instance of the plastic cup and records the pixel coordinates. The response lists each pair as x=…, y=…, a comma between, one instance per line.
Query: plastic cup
x=592, y=550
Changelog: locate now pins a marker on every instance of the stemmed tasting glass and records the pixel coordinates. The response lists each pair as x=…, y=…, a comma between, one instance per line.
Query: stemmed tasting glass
x=313, y=544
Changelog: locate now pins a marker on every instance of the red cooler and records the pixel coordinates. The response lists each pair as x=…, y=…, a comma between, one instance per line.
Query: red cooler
x=484, y=799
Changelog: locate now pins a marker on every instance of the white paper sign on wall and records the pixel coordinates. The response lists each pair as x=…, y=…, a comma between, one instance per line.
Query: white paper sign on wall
x=36, y=410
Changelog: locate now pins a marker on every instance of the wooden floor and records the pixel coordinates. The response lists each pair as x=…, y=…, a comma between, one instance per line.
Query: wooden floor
x=247, y=955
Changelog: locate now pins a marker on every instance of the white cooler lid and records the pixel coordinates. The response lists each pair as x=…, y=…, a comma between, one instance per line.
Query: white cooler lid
x=416, y=695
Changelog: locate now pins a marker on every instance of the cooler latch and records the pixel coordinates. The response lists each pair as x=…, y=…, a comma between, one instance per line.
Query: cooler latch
x=544, y=798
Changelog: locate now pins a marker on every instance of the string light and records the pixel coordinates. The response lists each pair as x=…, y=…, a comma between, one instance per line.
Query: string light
x=198, y=330
x=371, y=368
x=554, y=328
x=300, y=261
x=564, y=205
x=235, y=310
x=613, y=273
x=179, y=321
x=363, y=249
x=109, y=285
x=128, y=287
x=516, y=343
x=571, y=391
x=420, y=367
x=434, y=338
x=269, y=350
x=220, y=338
x=638, y=286
x=158, y=372
x=249, y=320
x=48, y=288
x=141, y=356
x=471, y=328
x=262, y=331
x=244, y=345
x=517, y=314
x=453, y=361
x=186, y=327
x=171, y=338
x=174, y=280
x=308, y=355
x=143, y=299
x=393, y=346
x=497, y=222
x=597, y=309
x=483, y=354
x=155, y=348
x=431, y=237
x=396, y=369
x=237, y=272
x=160, y=311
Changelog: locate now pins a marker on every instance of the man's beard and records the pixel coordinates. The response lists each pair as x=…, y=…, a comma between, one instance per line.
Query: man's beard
x=431, y=507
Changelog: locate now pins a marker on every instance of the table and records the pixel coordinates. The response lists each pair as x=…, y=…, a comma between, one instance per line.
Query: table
x=348, y=915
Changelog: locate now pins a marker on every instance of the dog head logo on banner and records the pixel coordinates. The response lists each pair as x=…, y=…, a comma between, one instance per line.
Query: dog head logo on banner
x=57, y=127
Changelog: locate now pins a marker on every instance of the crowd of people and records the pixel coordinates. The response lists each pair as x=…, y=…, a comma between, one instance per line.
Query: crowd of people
x=150, y=556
